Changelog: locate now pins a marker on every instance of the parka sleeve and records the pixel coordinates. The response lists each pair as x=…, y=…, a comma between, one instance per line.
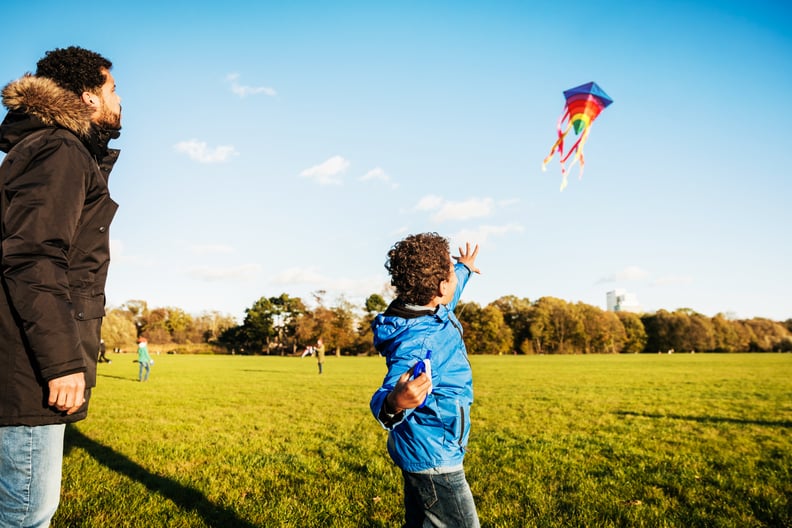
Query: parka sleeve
x=42, y=206
x=463, y=274
x=400, y=360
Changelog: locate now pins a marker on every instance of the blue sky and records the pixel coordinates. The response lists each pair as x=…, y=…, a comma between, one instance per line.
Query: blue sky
x=284, y=147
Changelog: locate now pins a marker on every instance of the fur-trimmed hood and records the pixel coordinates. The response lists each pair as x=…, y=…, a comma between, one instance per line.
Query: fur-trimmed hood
x=42, y=99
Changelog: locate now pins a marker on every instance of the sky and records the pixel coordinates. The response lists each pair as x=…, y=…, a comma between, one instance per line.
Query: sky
x=284, y=147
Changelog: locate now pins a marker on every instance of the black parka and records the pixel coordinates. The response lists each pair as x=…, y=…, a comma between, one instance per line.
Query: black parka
x=55, y=213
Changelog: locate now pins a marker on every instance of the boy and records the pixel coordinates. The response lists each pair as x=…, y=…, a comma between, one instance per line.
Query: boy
x=427, y=416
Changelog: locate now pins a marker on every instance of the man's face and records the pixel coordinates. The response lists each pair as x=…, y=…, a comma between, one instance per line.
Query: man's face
x=109, y=112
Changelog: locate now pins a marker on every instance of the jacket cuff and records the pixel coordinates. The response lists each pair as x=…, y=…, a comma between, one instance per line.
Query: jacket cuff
x=65, y=373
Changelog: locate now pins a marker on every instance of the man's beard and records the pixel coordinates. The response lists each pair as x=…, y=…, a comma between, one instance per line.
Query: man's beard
x=109, y=119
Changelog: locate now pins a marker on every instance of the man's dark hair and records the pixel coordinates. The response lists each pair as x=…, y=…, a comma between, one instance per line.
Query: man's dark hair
x=417, y=265
x=75, y=69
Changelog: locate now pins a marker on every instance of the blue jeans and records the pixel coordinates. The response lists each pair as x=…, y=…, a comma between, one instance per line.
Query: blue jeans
x=30, y=474
x=140, y=371
x=438, y=500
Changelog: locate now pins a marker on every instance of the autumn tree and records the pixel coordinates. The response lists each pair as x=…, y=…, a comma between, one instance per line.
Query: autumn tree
x=208, y=326
x=342, y=334
x=553, y=326
x=634, y=332
x=118, y=329
x=484, y=328
x=767, y=336
x=517, y=316
x=599, y=332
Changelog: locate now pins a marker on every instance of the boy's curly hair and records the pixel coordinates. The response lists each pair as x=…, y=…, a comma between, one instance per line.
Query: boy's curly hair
x=417, y=265
x=75, y=69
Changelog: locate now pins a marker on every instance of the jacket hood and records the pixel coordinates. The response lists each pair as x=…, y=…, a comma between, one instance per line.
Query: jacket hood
x=397, y=321
x=36, y=102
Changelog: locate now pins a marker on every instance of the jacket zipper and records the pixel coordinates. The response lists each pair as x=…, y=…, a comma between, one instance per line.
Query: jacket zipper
x=462, y=422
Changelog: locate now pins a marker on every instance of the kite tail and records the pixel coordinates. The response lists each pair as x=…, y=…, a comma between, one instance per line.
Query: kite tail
x=559, y=144
x=577, y=150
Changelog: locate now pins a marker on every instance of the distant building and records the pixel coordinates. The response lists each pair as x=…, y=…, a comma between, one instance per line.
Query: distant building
x=622, y=301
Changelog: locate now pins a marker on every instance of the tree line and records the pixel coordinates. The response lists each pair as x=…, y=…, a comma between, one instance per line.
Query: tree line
x=284, y=325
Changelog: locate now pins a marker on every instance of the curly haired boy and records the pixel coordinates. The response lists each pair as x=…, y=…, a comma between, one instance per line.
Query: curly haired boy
x=427, y=415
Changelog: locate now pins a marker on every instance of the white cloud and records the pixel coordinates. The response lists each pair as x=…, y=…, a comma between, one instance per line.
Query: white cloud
x=298, y=276
x=481, y=234
x=244, y=91
x=429, y=202
x=206, y=273
x=199, y=151
x=378, y=174
x=334, y=286
x=473, y=208
x=328, y=172
x=208, y=249
x=447, y=210
x=508, y=202
x=632, y=273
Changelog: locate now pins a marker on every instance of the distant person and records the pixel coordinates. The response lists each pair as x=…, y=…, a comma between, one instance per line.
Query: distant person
x=55, y=210
x=143, y=359
x=102, y=352
x=428, y=418
x=319, y=350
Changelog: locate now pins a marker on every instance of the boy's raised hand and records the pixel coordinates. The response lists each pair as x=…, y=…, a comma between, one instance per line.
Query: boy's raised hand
x=467, y=258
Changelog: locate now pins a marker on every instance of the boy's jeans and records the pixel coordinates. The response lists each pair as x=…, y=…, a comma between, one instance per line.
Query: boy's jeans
x=438, y=500
x=30, y=474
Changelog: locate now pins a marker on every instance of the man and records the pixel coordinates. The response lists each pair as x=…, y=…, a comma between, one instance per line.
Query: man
x=55, y=210
x=320, y=353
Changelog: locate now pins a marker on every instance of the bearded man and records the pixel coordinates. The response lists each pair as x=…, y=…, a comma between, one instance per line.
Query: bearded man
x=55, y=213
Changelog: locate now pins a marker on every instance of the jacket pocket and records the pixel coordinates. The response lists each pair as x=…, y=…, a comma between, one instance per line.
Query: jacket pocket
x=85, y=308
x=94, y=226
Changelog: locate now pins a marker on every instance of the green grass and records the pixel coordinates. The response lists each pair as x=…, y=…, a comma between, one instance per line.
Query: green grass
x=557, y=441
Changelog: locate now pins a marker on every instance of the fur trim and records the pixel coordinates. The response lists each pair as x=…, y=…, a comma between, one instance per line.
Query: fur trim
x=42, y=98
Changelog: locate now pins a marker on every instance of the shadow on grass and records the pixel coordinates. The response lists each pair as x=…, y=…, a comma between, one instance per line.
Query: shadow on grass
x=115, y=377
x=185, y=498
x=707, y=419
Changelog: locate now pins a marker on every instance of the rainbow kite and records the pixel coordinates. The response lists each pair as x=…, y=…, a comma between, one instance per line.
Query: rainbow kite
x=583, y=104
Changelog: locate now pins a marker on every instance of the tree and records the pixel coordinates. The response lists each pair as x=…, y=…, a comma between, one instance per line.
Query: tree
x=553, y=325
x=700, y=334
x=485, y=330
x=179, y=324
x=271, y=324
x=600, y=332
x=635, y=333
x=662, y=328
x=155, y=326
x=208, y=326
x=342, y=326
x=517, y=315
x=118, y=329
x=374, y=305
x=767, y=335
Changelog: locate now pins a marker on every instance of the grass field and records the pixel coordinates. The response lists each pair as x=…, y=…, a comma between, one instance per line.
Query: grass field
x=699, y=440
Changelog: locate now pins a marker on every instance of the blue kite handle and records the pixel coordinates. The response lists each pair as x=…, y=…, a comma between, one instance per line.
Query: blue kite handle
x=424, y=366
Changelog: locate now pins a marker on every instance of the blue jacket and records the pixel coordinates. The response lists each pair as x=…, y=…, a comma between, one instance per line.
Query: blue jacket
x=435, y=435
